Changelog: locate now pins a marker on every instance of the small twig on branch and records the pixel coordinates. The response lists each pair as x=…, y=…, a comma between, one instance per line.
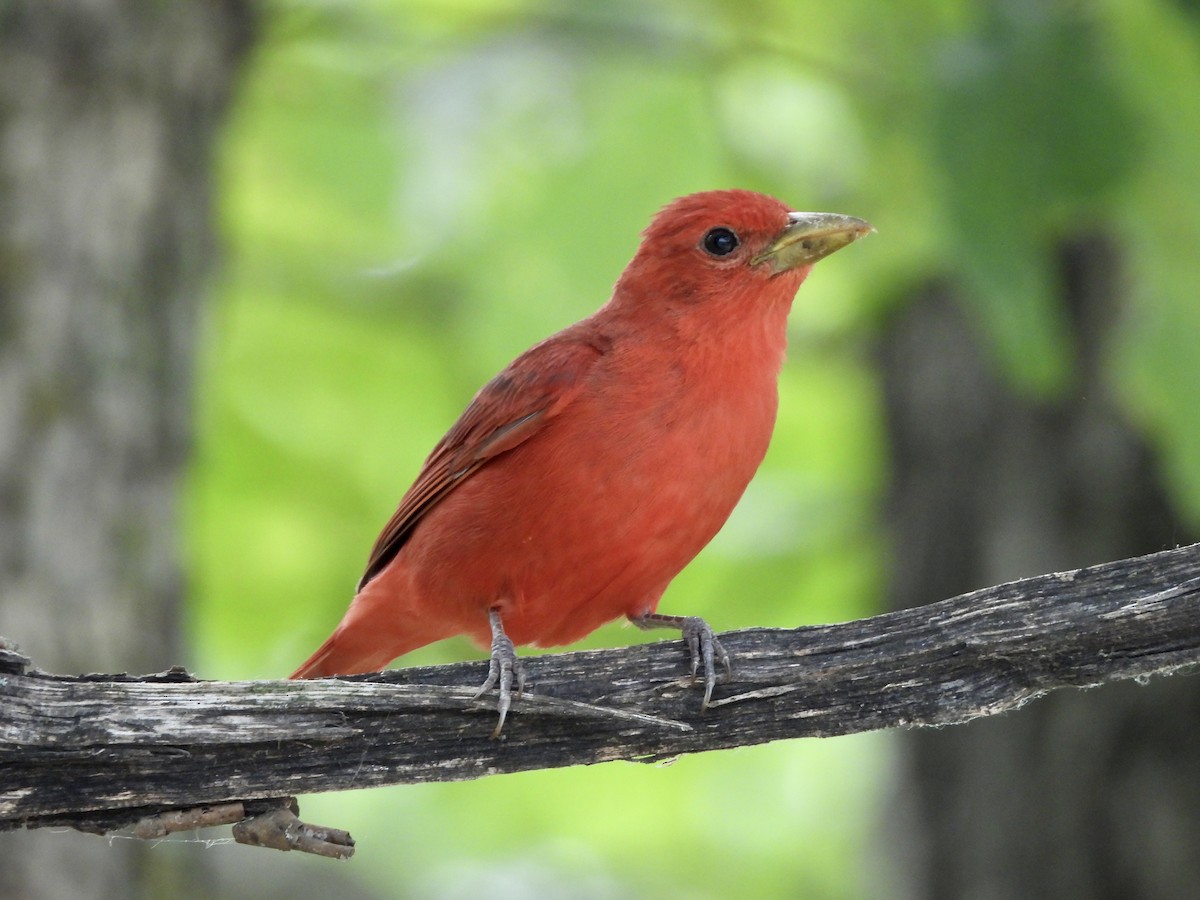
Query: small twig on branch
x=280, y=829
x=151, y=828
x=103, y=752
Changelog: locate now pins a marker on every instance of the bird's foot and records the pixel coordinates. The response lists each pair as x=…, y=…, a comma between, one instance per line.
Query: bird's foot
x=504, y=666
x=702, y=644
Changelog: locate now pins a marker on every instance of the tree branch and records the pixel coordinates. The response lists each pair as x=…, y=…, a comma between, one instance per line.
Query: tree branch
x=100, y=752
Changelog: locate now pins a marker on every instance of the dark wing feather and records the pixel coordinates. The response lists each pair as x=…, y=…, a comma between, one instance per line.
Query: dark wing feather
x=507, y=411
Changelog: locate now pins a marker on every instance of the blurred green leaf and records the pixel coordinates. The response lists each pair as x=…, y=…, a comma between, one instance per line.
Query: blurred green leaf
x=1032, y=137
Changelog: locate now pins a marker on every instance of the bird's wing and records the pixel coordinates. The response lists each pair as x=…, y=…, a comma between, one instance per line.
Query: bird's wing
x=507, y=411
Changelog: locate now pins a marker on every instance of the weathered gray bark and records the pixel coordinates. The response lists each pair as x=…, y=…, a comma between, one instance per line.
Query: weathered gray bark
x=107, y=116
x=100, y=752
x=1085, y=795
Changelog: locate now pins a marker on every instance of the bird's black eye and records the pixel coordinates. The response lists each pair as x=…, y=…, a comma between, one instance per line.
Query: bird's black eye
x=719, y=242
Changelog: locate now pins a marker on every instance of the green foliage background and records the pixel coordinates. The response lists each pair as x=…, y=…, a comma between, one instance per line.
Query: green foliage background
x=412, y=193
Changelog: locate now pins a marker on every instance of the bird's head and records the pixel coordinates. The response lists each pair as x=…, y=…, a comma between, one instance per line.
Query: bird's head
x=718, y=243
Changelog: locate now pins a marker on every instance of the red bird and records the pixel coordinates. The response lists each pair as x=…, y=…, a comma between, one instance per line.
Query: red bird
x=582, y=479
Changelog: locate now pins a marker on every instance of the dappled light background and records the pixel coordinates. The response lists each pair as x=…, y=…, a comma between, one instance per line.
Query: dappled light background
x=413, y=193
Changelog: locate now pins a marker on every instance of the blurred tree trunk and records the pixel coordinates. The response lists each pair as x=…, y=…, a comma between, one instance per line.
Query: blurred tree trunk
x=108, y=112
x=1080, y=794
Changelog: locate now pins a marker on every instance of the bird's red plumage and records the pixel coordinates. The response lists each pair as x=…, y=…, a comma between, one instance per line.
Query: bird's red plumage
x=587, y=474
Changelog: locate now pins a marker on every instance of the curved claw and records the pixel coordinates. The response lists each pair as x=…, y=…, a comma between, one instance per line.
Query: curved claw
x=702, y=644
x=504, y=665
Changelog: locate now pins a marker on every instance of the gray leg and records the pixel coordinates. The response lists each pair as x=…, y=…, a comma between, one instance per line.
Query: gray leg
x=702, y=644
x=503, y=665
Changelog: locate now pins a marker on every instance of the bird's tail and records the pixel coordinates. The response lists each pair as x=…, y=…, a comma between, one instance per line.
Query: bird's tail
x=374, y=631
x=329, y=659
x=350, y=651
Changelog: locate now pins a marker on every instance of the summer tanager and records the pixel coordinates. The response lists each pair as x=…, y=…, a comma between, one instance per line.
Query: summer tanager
x=582, y=479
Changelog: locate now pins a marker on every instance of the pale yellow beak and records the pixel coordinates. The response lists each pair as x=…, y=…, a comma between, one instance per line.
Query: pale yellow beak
x=809, y=237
